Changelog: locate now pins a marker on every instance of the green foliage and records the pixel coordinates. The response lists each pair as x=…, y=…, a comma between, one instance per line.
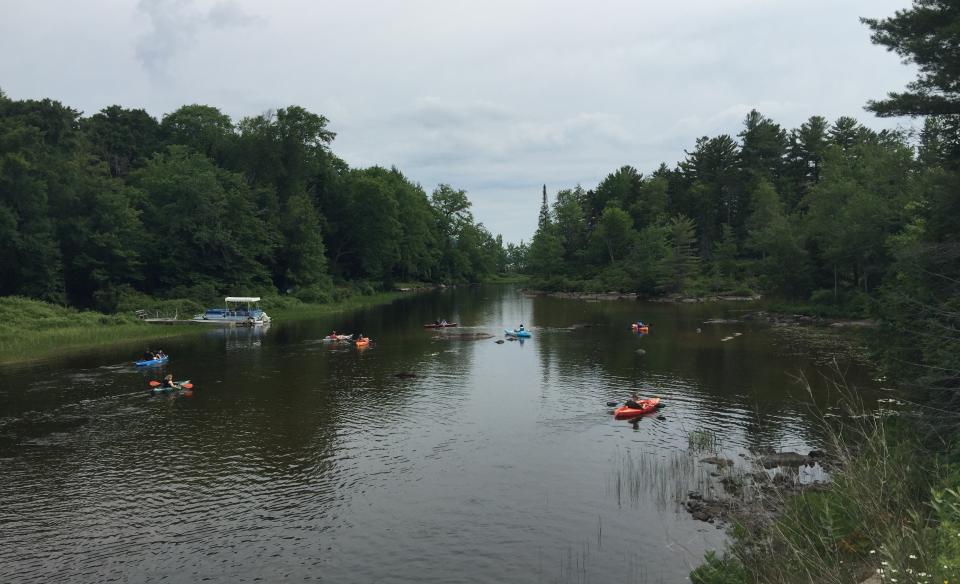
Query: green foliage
x=925, y=35
x=681, y=263
x=719, y=570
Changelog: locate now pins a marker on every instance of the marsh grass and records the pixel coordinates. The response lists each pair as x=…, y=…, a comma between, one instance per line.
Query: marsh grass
x=878, y=517
x=32, y=329
x=702, y=441
x=668, y=478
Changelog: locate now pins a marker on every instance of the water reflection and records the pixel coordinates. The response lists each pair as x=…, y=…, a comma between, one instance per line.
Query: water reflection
x=455, y=457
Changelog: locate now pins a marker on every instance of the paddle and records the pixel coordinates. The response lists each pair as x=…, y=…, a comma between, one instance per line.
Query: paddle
x=184, y=386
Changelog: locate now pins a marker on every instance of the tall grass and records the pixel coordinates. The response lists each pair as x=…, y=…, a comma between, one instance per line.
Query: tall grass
x=892, y=511
x=31, y=329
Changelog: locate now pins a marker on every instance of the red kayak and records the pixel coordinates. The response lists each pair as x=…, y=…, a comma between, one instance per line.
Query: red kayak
x=649, y=405
x=442, y=325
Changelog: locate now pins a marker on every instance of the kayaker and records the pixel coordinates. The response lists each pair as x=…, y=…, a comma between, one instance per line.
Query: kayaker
x=148, y=355
x=520, y=330
x=168, y=382
x=633, y=402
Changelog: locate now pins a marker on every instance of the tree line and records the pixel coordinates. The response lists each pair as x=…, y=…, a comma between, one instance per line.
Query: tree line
x=798, y=213
x=835, y=216
x=194, y=205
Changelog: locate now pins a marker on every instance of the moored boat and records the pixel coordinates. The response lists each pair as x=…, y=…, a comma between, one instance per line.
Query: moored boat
x=233, y=314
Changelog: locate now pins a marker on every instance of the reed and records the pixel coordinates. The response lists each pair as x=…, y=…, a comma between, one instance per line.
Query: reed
x=890, y=512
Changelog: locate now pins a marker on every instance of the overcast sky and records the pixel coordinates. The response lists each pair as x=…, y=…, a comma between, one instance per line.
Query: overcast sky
x=495, y=97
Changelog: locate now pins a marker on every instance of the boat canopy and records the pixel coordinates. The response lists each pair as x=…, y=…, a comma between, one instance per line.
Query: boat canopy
x=242, y=299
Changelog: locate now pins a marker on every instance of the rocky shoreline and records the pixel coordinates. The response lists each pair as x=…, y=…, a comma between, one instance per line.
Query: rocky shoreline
x=780, y=319
x=752, y=497
x=673, y=298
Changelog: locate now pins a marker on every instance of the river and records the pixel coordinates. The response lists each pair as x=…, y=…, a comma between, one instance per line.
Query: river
x=298, y=460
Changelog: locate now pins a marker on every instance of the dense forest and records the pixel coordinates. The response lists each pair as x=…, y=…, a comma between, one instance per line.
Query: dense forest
x=831, y=218
x=97, y=209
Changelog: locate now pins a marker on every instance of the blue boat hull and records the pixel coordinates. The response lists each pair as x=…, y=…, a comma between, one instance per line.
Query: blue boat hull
x=151, y=362
x=520, y=334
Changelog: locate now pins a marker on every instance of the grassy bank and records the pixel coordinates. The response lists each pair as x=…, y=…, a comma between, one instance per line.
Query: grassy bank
x=31, y=329
x=891, y=511
x=286, y=308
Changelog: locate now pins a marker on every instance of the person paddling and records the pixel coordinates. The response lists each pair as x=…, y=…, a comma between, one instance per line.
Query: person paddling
x=169, y=383
x=633, y=402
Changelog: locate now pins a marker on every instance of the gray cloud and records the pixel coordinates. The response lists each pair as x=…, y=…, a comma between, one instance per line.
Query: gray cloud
x=176, y=24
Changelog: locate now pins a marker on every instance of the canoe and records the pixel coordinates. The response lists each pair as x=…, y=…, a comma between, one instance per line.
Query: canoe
x=161, y=389
x=515, y=333
x=150, y=362
x=440, y=325
x=649, y=405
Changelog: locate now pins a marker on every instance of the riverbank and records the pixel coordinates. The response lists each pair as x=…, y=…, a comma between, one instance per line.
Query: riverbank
x=32, y=329
x=632, y=296
x=890, y=509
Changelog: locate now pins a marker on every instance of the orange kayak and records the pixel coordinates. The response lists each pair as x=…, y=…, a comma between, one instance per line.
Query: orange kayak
x=649, y=405
x=363, y=342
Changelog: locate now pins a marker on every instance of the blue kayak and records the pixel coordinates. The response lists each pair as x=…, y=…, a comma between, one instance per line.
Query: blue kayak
x=515, y=333
x=149, y=362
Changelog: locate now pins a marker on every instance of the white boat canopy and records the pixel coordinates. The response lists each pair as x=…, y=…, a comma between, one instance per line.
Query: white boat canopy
x=242, y=299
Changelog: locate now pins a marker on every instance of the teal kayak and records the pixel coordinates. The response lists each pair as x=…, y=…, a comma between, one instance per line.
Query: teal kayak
x=162, y=389
x=524, y=334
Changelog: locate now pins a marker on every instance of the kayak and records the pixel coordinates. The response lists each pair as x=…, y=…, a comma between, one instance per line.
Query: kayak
x=649, y=405
x=337, y=338
x=433, y=325
x=161, y=389
x=149, y=362
x=515, y=333
x=640, y=329
x=363, y=342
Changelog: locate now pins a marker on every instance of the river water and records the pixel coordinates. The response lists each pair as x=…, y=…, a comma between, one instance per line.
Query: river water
x=297, y=460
